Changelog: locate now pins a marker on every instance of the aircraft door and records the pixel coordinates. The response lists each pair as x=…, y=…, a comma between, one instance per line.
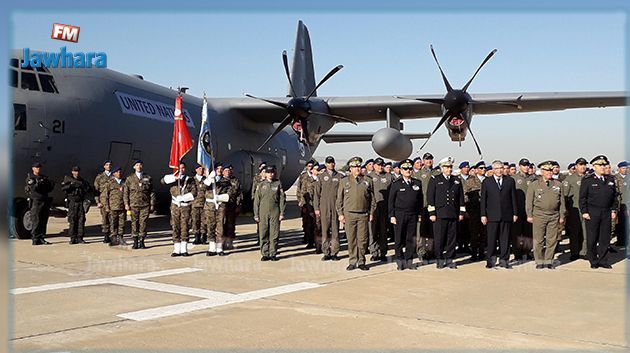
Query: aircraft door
x=120, y=154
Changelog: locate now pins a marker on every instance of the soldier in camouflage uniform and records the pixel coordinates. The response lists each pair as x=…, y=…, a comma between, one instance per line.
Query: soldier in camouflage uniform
x=100, y=183
x=232, y=207
x=214, y=211
x=463, y=227
x=472, y=199
x=197, y=214
x=269, y=207
x=545, y=208
x=378, y=234
x=522, y=230
x=140, y=201
x=575, y=227
x=307, y=226
x=183, y=190
x=114, y=198
x=622, y=215
x=76, y=189
x=425, y=227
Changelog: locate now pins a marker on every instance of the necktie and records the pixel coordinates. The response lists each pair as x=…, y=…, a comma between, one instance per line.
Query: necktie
x=547, y=183
x=499, y=183
x=357, y=179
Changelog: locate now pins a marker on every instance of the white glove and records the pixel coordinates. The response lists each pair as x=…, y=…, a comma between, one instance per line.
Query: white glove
x=169, y=179
x=186, y=197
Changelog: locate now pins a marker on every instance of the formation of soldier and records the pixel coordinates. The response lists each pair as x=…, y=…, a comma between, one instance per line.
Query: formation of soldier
x=487, y=211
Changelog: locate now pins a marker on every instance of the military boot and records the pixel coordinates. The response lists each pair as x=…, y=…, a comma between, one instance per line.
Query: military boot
x=114, y=240
x=106, y=239
x=141, y=243
x=197, y=240
x=204, y=239
x=135, y=242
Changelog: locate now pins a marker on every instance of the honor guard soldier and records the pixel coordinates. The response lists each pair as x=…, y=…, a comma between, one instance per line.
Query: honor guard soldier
x=378, y=236
x=622, y=215
x=232, y=207
x=355, y=206
x=216, y=194
x=425, y=237
x=472, y=197
x=301, y=183
x=198, y=220
x=37, y=188
x=325, y=208
x=269, y=207
x=140, y=201
x=183, y=190
x=405, y=205
x=521, y=229
x=114, y=198
x=599, y=202
x=575, y=224
x=76, y=189
x=100, y=183
x=545, y=207
x=446, y=207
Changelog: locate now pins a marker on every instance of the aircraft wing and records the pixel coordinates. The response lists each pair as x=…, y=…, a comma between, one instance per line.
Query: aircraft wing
x=341, y=137
x=373, y=108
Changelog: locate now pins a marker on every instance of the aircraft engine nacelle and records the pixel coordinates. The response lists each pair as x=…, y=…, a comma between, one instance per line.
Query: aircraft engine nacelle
x=391, y=144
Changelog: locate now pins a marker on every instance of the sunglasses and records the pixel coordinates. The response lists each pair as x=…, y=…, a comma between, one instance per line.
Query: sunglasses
x=406, y=168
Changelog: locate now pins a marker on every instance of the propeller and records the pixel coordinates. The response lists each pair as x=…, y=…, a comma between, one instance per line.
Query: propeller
x=299, y=108
x=456, y=101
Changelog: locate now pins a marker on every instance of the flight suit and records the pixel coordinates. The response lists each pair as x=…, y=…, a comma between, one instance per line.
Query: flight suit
x=307, y=226
x=472, y=198
x=575, y=224
x=215, y=213
x=325, y=202
x=100, y=183
x=269, y=205
x=598, y=198
x=37, y=189
x=355, y=201
x=545, y=203
x=140, y=199
x=405, y=204
x=378, y=235
x=622, y=216
x=183, y=193
x=114, y=197
x=76, y=191
x=197, y=213
x=255, y=182
x=231, y=207
x=521, y=229
x=310, y=188
x=445, y=201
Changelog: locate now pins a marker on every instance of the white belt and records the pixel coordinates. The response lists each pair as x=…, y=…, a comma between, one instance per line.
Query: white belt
x=180, y=204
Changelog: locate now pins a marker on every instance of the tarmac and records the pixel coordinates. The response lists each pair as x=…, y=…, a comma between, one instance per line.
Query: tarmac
x=92, y=297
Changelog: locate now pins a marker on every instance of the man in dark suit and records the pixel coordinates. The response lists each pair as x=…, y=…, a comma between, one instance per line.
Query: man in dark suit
x=498, y=212
x=446, y=206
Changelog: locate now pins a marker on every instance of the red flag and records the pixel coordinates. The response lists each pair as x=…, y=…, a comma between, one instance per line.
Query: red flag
x=182, y=143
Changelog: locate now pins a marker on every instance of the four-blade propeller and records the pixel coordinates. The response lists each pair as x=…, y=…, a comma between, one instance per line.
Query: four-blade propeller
x=299, y=108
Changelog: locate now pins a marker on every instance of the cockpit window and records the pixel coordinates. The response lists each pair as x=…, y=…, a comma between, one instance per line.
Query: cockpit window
x=28, y=66
x=14, y=62
x=29, y=81
x=48, y=83
x=19, y=116
x=13, y=75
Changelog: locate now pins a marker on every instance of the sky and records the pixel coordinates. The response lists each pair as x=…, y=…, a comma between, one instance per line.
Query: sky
x=225, y=54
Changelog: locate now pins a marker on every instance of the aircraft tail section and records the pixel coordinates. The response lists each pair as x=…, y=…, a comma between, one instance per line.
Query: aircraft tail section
x=302, y=71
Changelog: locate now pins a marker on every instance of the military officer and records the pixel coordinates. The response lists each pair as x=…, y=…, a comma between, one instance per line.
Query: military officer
x=622, y=215
x=197, y=214
x=307, y=226
x=463, y=227
x=76, y=189
x=269, y=207
x=140, y=201
x=216, y=195
x=324, y=202
x=100, y=182
x=425, y=236
x=521, y=229
x=446, y=207
x=472, y=198
x=258, y=178
x=599, y=204
x=37, y=188
x=369, y=166
x=387, y=167
x=545, y=208
x=512, y=171
x=356, y=206
x=378, y=236
x=233, y=206
x=114, y=198
x=396, y=172
x=575, y=225
x=404, y=207
x=310, y=188
x=183, y=190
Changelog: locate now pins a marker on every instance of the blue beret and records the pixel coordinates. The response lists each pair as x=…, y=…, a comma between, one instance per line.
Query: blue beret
x=417, y=159
x=464, y=164
x=227, y=166
x=137, y=161
x=107, y=161
x=116, y=169
x=489, y=168
x=622, y=164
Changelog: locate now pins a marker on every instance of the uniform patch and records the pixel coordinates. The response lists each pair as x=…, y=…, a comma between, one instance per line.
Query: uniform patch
x=579, y=182
x=335, y=179
x=415, y=187
x=326, y=178
x=565, y=183
x=519, y=181
x=456, y=181
x=423, y=176
x=383, y=180
x=611, y=183
x=556, y=188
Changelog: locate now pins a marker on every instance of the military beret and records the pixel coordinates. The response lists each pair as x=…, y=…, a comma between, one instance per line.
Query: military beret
x=217, y=165
x=320, y=167
x=555, y=163
x=447, y=162
x=407, y=163
x=355, y=162
x=36, y=165
x=369, y=161
x=489, y=167
x=270, y=169
x=581, y=161
x=116, y=169
x=532, y=165
x=524, y=162
x=76, y=168
x=330, y=159
x=600, y=160
x=227, y=166
x=388, y=163
x=480, y=164
x=436, y=169
x=107, y=161
x=427, y=156
x=546, y=165
x=571, y=165
x=417, y=159
x=309, y=162
x=512, y=165
x=197, y=166
x=507, y=164
x=137, y=161
x=378, y=161
x=464, y=164
x=622, y=164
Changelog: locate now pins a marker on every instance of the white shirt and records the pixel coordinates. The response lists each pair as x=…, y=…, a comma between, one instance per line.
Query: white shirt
x=447, y=177
x=108, y=173
x=118, y=180
x=481, y=177
x=198, y=177
x=465, y=177
x=139, y=175
x=499, y=180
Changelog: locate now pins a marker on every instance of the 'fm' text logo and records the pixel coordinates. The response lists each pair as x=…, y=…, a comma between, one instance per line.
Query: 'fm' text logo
x=67, y=33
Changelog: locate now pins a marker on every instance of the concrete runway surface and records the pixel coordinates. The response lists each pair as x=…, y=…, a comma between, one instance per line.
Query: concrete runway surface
x=95, y=297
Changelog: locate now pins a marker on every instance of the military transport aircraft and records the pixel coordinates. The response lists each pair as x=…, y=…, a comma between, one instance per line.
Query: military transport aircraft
x=66, y=117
